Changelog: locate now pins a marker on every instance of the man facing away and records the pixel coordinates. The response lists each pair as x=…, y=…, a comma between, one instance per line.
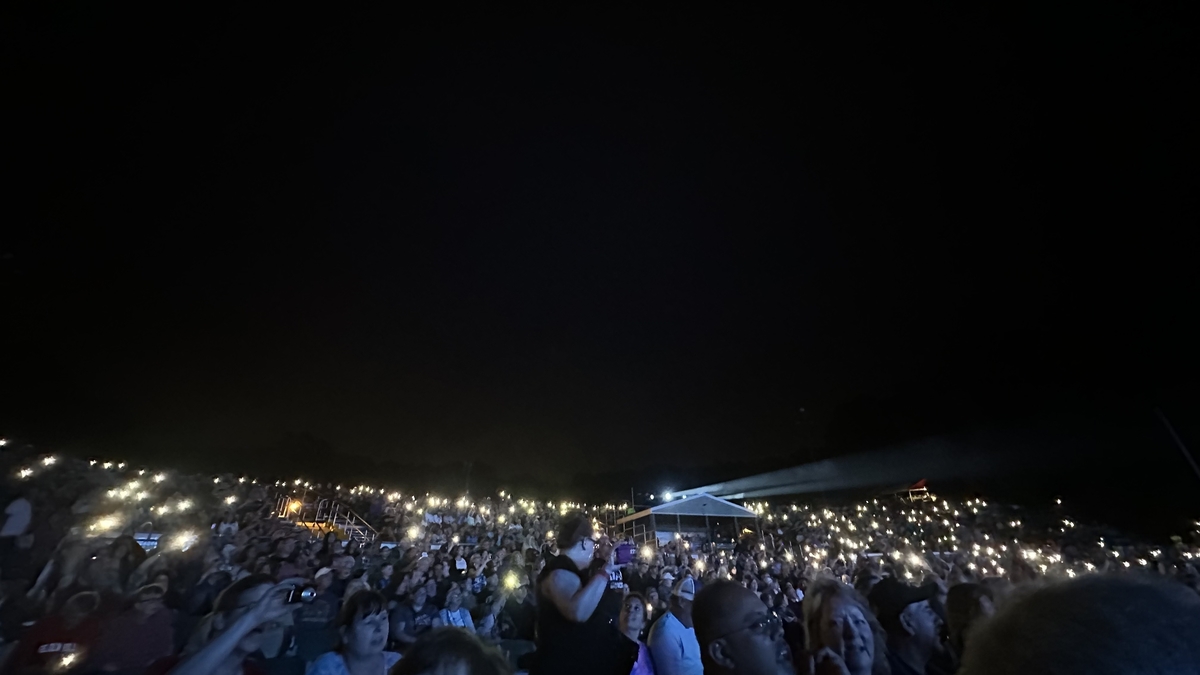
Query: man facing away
x=672, y=640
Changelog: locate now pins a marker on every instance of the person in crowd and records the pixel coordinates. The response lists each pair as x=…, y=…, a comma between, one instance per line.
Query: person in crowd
x=314, y=621
x=358, y=582
x=518, y=621
x=912, y=624
x=966, y=605
x=384, y=579
x=737, y=633
x=19, y=517
x=672, y=639
x=454, y=614
x=242, y=614
x=1100, y=625
x=410, y=621
x=343, y=570
x=633, y=621
x=60, y=640
x=487, y=618
x=137, y=637
x=568, y=639
x=865, y=581
x=448, y=651
x=476, y=581
x=840, y=628
x=639, y=580
x=363, y=628
x=654, y=605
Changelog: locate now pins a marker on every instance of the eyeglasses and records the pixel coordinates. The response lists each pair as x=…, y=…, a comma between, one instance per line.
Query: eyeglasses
x=767, y=625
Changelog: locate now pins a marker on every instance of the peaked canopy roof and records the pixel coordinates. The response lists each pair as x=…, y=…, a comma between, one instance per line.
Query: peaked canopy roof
x=702, y=504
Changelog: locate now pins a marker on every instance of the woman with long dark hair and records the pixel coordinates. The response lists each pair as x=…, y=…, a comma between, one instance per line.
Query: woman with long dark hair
x=572, y=636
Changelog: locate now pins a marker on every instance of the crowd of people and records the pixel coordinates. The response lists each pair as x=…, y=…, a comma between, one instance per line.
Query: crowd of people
x=113, y=568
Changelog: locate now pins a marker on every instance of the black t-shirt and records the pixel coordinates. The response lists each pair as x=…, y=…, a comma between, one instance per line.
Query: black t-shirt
x=614, y=596
x=337, y=587
x=416, y=621
x=522, y=616
x=443, y=587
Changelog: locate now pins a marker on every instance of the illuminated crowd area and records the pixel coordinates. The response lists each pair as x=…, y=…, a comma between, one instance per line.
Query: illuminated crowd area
x=112, y=529
x=971, y=538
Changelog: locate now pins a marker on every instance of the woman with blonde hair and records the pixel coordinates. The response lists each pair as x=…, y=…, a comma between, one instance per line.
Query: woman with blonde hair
x=841, y=629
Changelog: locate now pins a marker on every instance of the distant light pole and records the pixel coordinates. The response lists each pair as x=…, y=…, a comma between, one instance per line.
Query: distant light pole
x=1178, y=441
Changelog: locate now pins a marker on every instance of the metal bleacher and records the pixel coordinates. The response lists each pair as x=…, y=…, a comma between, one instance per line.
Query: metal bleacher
x=322, y=515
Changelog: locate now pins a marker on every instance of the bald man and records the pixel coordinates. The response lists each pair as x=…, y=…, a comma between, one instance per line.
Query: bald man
x=738, y=634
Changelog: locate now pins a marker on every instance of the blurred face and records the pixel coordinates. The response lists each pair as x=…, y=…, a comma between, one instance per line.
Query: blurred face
x=453, y=598
x=419, y=597
x=386, y=571
x=367, y=635
x=604, y=547
x=633, y=616
x=844, y=629
x=253, y=640
x=753, y=643
x=149, y=604
x=985, y=608
x=581, y=553
x=922, y=624
x=430, y=588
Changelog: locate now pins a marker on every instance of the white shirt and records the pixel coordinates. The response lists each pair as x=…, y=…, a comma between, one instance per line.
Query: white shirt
x=459, y=617
x=331, y=663
x=674, y=648
x=20, y=513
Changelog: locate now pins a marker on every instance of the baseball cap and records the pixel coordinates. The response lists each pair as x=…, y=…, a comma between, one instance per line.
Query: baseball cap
x=890, y=596
x=667, y=576
x=322, y=572
x=149, y=589
x=685, y=589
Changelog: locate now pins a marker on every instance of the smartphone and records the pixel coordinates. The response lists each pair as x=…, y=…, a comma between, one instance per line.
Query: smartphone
x=301, y=594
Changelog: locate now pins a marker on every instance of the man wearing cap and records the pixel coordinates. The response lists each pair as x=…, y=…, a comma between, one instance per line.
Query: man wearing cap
x=672, y=640
x=913, y=627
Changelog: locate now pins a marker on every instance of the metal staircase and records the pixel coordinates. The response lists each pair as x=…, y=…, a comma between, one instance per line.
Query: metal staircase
x=326, y=515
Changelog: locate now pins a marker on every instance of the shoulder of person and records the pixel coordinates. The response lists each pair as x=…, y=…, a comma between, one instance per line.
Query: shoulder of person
x=329, y=663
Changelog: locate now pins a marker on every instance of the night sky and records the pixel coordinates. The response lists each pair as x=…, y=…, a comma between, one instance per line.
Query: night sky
x=566, y=243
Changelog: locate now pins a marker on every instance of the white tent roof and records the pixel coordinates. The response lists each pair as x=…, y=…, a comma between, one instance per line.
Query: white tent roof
x=702, y=504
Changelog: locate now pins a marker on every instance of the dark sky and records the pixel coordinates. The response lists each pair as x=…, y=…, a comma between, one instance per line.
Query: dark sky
x=567, y=241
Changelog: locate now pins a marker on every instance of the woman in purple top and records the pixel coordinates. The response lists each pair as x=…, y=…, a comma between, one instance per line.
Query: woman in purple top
x=634, y=618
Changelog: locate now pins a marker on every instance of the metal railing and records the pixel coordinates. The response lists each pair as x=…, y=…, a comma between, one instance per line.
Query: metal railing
x=326, y=515
x=640, y=533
